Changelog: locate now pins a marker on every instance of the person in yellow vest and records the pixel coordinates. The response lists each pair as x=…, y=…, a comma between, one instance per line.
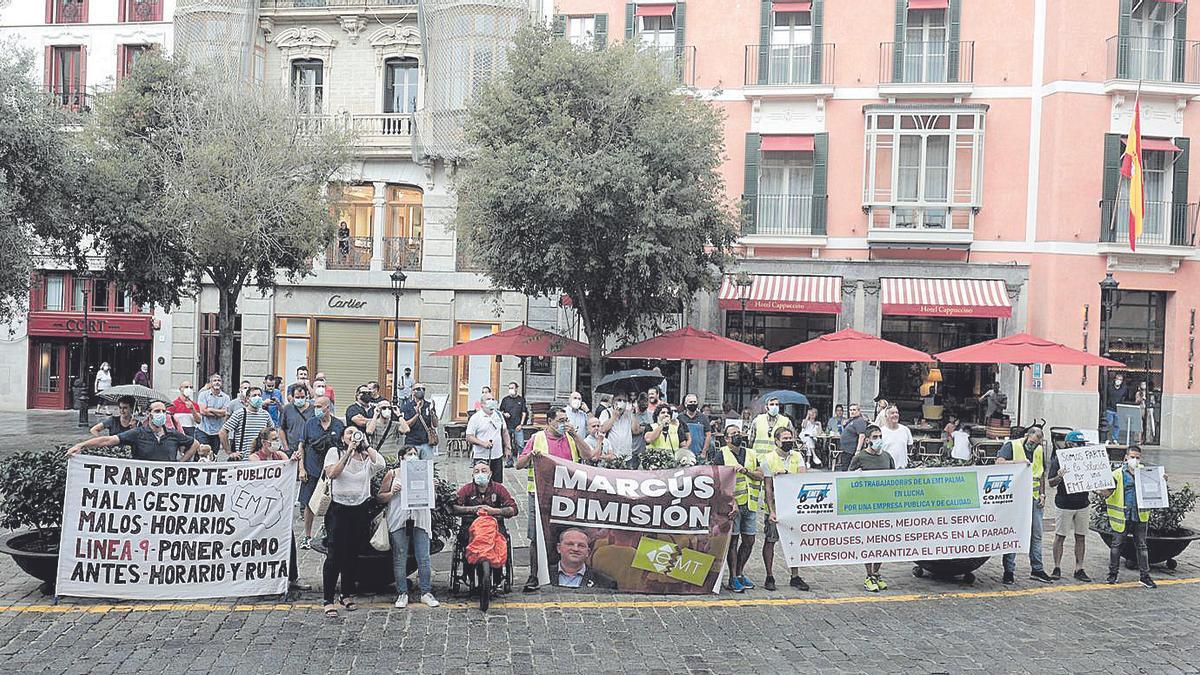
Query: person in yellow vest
x=558, y=439
x=1028, y=450
x=782, y=459
x=745, y=496
x=1126, y=519
x=762, y=429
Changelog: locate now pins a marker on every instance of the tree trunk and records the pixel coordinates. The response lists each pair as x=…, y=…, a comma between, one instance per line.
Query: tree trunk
x=226, y=320
x=596, y=345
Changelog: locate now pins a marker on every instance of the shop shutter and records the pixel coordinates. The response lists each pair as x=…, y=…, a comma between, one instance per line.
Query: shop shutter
x=750, y=189
x=818, y=29
x=820, y=182
x=348, y=354
x=1124, y=18
x=558, y=28
x=1179, y=71
x=953, y=20
x=898, y=36
x=766, y=18
x=1179, y=194
x=601, y=38
x=1113, y=149
x=630, y=26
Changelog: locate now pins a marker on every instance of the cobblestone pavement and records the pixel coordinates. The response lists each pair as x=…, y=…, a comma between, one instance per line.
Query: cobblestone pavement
x=919, y=625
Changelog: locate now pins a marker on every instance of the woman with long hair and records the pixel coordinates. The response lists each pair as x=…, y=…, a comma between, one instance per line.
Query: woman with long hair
x=347, y=521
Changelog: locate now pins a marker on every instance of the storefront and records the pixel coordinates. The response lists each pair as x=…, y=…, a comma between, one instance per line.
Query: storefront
x=1136, y=336
x=774, y=312
x=936, y=315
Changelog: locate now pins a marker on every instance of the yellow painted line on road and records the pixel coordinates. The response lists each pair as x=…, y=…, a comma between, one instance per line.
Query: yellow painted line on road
x=499, y=604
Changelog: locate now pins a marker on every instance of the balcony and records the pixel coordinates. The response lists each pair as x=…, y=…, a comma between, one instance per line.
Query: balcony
x=375, y=134
x=1165, y=225
x=349, y=254
x=1157, y=65
x=677, y=63
x=788, y=215
x=934, y=225
x=402, y=252
x=783, y=70
x=334, y=4
x=464, y=260
x=926, y=68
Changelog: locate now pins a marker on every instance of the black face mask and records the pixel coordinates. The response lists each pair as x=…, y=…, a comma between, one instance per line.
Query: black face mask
x=419, y=394
x=736, y=441
x=788, y=446
x=691, y=407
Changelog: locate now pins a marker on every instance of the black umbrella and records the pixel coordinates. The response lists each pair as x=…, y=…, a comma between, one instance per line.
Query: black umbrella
x=144, y=395
x=627, y=381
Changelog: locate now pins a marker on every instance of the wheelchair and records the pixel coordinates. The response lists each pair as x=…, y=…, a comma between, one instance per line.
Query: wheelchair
x=464, y=574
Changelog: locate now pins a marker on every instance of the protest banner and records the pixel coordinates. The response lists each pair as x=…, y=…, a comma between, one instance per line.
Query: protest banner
x=1085, y=469
x=175, y=530
x=1150, y=486
x=416, y=478
x=909, y=514
x=646, y=531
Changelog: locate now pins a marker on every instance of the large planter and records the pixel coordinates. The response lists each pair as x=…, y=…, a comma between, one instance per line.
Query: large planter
x=949, y=569
x=24, y=547
x=375, y=572
x=1160, y=550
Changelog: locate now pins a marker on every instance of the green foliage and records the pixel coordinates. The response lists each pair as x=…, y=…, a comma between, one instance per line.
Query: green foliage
x=445, y=523
x=1166, y=522
x=659, y=458
x=32, y=485
x=37, y=175
x=595, y=179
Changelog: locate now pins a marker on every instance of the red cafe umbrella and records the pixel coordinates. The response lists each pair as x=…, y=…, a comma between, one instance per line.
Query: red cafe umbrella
x=521, y=341
x=847, y=345
x=1021, y=350
x=692, y=344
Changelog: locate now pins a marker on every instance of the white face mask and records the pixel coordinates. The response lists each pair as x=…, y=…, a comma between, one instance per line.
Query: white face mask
x=187, y=392
x=576, y=403
x=772, y=410
x=386, y=413
x=1132, y=463
x=512, y=391
x=620, y=406
x=320, y=390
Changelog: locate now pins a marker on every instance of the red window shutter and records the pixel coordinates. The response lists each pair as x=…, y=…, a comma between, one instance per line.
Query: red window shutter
x=121, y=61
x=82, y=84
x=84, y=13
x=48, y=78
x=50, y=11
x=122, y=5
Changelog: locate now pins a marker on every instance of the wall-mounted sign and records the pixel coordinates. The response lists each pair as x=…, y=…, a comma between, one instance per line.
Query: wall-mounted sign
x=344, y=302
x=136, y=326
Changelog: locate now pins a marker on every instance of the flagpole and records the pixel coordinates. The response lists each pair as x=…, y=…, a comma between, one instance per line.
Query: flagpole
x=1112, y=221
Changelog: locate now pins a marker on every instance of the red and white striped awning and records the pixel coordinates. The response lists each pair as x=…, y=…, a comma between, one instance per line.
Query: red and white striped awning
x=784, y=293
x=945, y=297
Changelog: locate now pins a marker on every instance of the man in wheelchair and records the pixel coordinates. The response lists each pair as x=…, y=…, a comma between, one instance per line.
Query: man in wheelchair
x=482, y=496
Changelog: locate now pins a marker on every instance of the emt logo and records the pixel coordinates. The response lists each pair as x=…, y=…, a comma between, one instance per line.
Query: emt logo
x=817, y=491
x=997, y=489
x=815, y=498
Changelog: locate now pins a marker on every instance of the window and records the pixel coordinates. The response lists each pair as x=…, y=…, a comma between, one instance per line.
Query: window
x=100, y=295
x=581, y=31
x=923, y=169
x=962, y=383
x=1151, y=49
x=473, y=373
x=1157, y=176
x=657, y=32
x=407, y=348
x=209, y=360
x=308, y=88
x=791, y=48
x=67, y=11
x=141, y=10
x=293, y=342
x=926, y=46
x=400, y=86
x=478, y=60
x=127, y=57
x=54, y=286
x=65, y=78
x=1136, y=335
x=403, y=231
x=785, y=191
x=773, y=331
x=355, y=213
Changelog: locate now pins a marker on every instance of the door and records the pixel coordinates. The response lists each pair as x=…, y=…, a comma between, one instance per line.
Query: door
x=926, y=48
x=47, y=375
x=791, y=48
x=348, y=354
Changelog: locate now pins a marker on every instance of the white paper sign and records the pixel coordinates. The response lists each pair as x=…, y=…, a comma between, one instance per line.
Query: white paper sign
x=1085, y=469
x=416, y=479
x=175, y=530
x=1151, y=488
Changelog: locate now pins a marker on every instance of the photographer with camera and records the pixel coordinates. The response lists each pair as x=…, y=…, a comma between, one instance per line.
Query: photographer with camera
x=347, y=521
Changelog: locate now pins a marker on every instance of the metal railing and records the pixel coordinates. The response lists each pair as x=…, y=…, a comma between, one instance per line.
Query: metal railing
x=789, y=215
x=1153, y=59
x=142, y=10
x=926, y=62
x=1164, y=223
x=339, y=4
x=349, y=254
x=402, y=252
x=464, y=259
x=789, y=65
x=676, y=63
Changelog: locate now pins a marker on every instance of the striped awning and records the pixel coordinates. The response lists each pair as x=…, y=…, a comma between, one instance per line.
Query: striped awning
x=945, y=297
x=784, y=293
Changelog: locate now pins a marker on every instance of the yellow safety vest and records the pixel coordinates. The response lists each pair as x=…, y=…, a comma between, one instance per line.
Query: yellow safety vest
x=1116, y=504
x=668, y=439
x=764, y=432
x=540, y=444
x=745, y=488
x=1019, y=455
x=776, y=464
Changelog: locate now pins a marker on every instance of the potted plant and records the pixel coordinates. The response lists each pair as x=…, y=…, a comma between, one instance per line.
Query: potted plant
x=1166, y=537
x=32, y=485
x=953, y=568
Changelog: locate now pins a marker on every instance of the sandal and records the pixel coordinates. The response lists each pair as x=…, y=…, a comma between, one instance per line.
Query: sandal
x=349, y=604
x=331, y=611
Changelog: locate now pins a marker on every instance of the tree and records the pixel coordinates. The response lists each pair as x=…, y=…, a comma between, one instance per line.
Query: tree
x=191, y=179
x=37, y=166
x=593, y=178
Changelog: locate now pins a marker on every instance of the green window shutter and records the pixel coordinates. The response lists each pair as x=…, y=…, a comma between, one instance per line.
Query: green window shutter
x=559, y=26
x=750, y=191
x=953, y=16
x=898, y=36
x=601, y=37
x=818, y=54
x=820, y=181
x=1179, y=57
x=1179, y=194
x=1111, y=185
x=681, y=67
x=1124, y=18
x=630, y=21
x=766, y=18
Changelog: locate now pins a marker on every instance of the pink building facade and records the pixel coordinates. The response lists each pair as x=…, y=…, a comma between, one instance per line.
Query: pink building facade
x=942, y=172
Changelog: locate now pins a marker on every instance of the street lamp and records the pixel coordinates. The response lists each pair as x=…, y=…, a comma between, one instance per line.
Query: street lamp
x=743, y=281
x=398, y=278
x=81, y=387
x=1108, y=302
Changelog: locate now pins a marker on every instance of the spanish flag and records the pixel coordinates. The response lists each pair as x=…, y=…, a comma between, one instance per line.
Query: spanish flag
x=1131, y=168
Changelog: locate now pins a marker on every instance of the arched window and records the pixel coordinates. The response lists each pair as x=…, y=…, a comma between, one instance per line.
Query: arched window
x=400, y=86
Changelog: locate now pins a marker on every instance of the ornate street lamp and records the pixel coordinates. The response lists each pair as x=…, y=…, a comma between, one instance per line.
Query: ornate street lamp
x=82, y=385
x=743, y=281
x=1108, y=302
x=398, y=278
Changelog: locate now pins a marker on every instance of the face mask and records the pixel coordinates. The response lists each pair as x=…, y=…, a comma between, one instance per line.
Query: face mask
x=104, y=367
x=787, y=446
x=772, y=410
x=242, y=392
x=320, y=390
x=512, y=391
x=319, y=413
x=1117, y=383
x=480, y=479
x=256, y=401
x=620, y=406
x=561, y=429
x=386, y=413
x=674, y=416
x=877, y=444
x=691, y=407
x=158, y=418
x=576, y=403
x=489, y=405
x=300, y=401
x=1132, y=463
x=419, y=394
x=735, y=441
x=187, y=392
x=144, y=369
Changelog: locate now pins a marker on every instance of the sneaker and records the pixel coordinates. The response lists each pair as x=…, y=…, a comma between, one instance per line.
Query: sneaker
x=1040, y=575
x=1112, y=579
x=402, y=601
x=306, y=543
x=429, y=600
x=1080, y=575
x=735, y=585
x=797, y=582
x=1008, y=579
x=880, y=582
x=746, y=583
x=769, y=584
x=531, y=585
x=1056, y=574
x=508, y=463
x=870, y=585
x=1148, y=582
x=318, y=546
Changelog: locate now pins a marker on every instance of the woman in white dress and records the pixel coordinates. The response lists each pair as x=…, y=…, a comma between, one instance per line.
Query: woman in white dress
x=810, y=429
x=103, y=383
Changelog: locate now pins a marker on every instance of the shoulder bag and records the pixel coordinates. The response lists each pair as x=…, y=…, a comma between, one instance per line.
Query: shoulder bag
x=430, y=431
x=381, y=539
x=322, y=495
